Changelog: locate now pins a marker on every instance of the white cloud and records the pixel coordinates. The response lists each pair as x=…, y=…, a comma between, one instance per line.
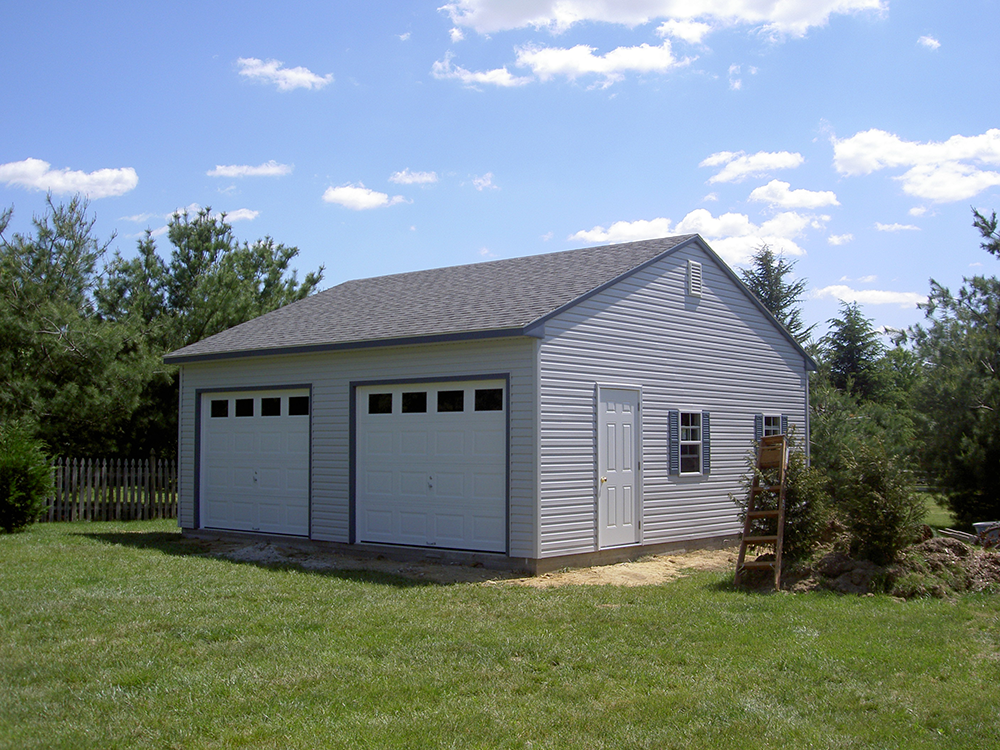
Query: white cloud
x=929, y=42
x=36, y=174
x=868, y=279
x=443, y=69
x=286, y=79
x=896, y=227
x=572, y=62
x=777, y=193
x=456, y=34
x=241, y=214
x=917, y=211
x=139, y=218
x=776, y=16
x=942, y=171
x=484, y=182
x=406, y=177
x=739, y=166
x=359, y=198
x=840, y=239
x=870, y=296
x=735, y=83
x=691, y=32
x=404, y=37
x=732, y=235
x=267, y=169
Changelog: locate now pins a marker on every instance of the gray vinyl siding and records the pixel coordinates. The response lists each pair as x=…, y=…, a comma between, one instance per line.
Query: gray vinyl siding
x=717, y=353
x=330, y=375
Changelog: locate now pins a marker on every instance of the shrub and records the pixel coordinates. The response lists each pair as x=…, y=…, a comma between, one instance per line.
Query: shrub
x=25, y=478
x=881, y=511
x=806, y=511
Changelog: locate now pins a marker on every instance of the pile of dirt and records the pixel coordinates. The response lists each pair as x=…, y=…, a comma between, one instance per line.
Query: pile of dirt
x=938, y=567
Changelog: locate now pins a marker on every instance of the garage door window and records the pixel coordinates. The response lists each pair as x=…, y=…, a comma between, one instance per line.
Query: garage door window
x=270, y=407
x=415, y=402
x=489, y=399
x=220, y=408
x=451, y=401
x=298, y=406
x=244, y=407
x=380, y=403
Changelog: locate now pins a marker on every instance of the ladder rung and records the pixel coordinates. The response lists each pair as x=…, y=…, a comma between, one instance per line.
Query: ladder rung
x=758, y=565
x=763, y=513
x=768, y=539
x=770, y=488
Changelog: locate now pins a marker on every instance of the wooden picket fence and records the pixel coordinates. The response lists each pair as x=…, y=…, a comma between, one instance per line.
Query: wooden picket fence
x=112, y=489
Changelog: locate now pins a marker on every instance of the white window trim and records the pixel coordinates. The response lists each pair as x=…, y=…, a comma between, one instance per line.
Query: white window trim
x=697, y=443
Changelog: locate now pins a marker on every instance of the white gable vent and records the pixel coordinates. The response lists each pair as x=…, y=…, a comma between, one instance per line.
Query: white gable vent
x=694, y=278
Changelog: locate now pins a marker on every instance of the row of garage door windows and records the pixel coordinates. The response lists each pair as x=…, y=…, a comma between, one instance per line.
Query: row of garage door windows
x=415, y=402
x=298, y=406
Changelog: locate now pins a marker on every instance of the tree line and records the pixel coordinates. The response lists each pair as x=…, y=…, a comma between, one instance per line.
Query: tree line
x=83, y=334
x=926, y=403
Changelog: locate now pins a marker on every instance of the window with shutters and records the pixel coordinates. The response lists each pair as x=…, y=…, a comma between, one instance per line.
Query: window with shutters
x=690, y=452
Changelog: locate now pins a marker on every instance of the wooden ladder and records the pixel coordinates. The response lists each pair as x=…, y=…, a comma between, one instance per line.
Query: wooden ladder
x=769, y=481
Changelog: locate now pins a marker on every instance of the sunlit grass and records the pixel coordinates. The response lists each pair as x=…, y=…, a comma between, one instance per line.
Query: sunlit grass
x=116, y=635
x=938, y=516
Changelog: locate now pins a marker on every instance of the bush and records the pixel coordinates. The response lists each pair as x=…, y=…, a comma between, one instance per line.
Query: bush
x=881, y=511
x=25, y=478
x=806, y=511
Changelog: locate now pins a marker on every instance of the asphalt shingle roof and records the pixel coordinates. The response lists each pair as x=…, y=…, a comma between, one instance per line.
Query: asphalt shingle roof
x=501, y=295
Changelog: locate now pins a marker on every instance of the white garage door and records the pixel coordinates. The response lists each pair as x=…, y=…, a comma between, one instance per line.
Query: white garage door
x=432, y=465
x=255, y=461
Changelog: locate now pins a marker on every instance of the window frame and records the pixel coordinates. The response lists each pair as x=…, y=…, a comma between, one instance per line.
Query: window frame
x=691, y=437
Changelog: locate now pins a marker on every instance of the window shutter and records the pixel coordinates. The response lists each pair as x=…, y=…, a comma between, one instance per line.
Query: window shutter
x=758, y=426
x=784, y=424
x=706, y=445
x=674, y=441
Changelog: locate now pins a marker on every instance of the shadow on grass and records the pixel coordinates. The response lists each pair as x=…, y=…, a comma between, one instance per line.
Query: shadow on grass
x=174, y=543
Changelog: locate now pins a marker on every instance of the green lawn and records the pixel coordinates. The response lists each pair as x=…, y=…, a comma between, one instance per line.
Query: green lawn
x=117, y=636
x=938, y=516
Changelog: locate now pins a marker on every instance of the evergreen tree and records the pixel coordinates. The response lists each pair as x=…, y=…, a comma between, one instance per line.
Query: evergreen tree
x=766, y=278
x=959, y=398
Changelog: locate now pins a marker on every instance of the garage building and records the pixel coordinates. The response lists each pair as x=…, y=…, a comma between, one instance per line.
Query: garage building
x=537, y=412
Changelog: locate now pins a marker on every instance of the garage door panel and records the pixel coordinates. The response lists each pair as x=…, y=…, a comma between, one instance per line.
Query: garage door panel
x=270, y=442
x=442, y=481
x=378, y=482
x=379, y=443
x=413, y=443
x=298, y=480
x=449, y=444
x=450, y=485
x=254, y=468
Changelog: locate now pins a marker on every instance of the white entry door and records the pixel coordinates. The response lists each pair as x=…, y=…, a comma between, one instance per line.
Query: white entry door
x=254, y=468
x=619, y=449
x=431, y=465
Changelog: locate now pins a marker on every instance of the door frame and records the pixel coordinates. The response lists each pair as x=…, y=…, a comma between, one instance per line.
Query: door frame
x=599, y=469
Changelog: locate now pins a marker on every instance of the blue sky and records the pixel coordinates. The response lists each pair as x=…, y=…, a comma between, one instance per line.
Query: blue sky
x=852, y=135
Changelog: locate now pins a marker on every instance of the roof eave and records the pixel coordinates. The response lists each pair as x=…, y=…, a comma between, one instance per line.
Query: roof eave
x=440, y=338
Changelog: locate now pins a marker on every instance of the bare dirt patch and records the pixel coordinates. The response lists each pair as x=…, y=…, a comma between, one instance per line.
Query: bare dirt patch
x=647, y=571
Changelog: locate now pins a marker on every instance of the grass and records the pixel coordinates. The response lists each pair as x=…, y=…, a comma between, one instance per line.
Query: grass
x=938, y=515
x=117, y=635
